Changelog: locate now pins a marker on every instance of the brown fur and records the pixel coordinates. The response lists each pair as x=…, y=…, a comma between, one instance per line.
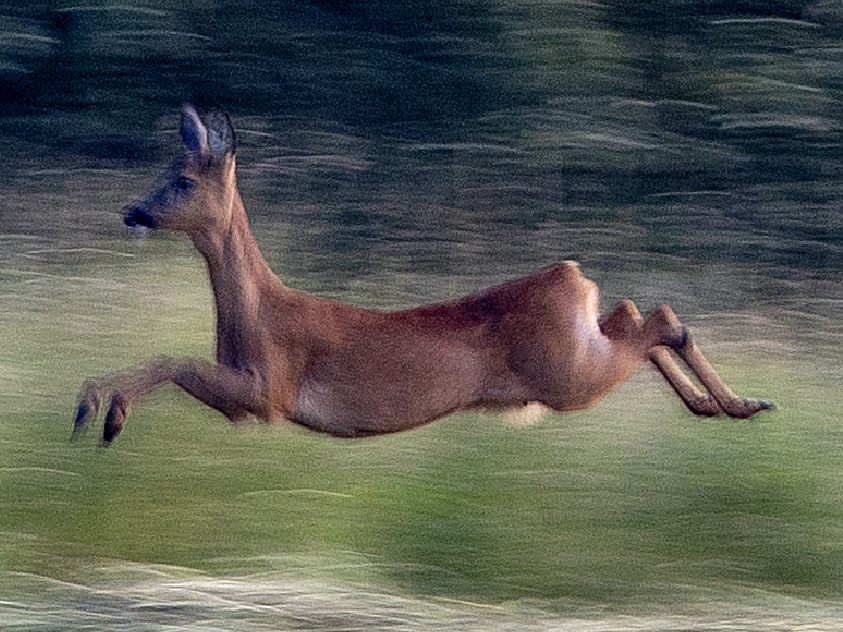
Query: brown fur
x=285, y=354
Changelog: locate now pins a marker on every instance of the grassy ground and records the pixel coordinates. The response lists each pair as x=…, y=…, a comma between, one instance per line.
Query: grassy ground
x=632, y=505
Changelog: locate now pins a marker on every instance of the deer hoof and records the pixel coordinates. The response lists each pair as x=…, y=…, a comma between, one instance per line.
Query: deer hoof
x=87, y=408
x=80, y=422
x=114, y=419
x=743, y=408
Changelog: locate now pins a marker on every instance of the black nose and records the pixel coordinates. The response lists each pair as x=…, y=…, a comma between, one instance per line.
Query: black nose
x=135, y=215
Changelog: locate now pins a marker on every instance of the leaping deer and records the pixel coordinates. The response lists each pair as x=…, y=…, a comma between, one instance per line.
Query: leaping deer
x=352, y=372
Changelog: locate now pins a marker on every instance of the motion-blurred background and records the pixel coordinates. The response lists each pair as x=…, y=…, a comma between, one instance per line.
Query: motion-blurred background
x=392, y=153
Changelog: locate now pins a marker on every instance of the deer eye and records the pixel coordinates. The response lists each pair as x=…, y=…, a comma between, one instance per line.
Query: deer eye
x=184, y=185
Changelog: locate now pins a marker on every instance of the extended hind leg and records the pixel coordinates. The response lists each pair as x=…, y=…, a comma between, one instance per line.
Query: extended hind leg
x=625, y=323
x=696, y=401
x=662, y=327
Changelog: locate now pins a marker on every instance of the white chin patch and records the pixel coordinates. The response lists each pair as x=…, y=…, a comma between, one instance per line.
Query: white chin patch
x=138, y=232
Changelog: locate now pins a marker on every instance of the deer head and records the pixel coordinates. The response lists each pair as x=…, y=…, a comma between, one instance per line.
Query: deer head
x=199, y=187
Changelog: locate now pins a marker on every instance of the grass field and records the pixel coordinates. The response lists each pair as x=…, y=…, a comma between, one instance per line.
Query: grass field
x=633, y=511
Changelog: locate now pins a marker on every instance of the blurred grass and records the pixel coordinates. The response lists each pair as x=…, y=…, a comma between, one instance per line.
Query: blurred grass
x=632, y=502
x=394, y=153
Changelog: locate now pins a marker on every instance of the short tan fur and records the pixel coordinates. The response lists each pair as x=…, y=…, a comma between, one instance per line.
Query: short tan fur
x=351, y=372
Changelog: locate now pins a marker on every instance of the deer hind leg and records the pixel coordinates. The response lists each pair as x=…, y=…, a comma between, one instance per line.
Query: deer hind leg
x=696, y=401
x=231, y=392
x=626, y=324
x=663, y=329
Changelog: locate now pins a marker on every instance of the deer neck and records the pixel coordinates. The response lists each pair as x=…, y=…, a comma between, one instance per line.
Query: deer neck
x=239, y=274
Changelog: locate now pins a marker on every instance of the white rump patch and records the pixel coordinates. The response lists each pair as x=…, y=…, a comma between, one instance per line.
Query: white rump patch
x=526, y=415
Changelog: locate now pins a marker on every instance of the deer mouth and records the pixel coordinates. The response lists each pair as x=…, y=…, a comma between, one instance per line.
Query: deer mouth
x=135, y=216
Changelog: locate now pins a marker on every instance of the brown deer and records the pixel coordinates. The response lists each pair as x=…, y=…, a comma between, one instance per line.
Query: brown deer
x=351, y=372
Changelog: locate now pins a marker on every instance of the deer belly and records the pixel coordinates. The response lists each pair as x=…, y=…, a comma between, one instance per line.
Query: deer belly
x=316, y=408
x=386, y=397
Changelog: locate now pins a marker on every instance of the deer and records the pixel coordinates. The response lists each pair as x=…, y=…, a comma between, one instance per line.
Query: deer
x=348, y=371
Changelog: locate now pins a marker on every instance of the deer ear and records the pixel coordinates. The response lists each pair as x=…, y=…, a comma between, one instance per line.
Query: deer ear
x=221, y=138
x=194, y=134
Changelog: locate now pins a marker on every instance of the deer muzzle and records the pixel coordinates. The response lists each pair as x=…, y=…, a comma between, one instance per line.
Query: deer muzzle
x=135, y=215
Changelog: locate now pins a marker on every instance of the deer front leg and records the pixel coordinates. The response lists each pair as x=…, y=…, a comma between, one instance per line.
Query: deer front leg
x=233, y=393
x=95, y=391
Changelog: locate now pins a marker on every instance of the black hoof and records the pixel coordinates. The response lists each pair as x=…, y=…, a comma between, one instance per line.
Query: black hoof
x=80, y=423
x=82, y=414
x=109, y=431
x=113, y=423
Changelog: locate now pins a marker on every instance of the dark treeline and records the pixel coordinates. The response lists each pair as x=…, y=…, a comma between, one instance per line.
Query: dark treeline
x=763, y=77
x=601, y=103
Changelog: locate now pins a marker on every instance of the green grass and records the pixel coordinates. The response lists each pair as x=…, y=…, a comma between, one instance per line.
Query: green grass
x=633, y=502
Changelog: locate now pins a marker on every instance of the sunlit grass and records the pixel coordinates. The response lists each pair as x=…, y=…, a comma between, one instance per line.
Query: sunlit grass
x=634, y=501
x=632, y=509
